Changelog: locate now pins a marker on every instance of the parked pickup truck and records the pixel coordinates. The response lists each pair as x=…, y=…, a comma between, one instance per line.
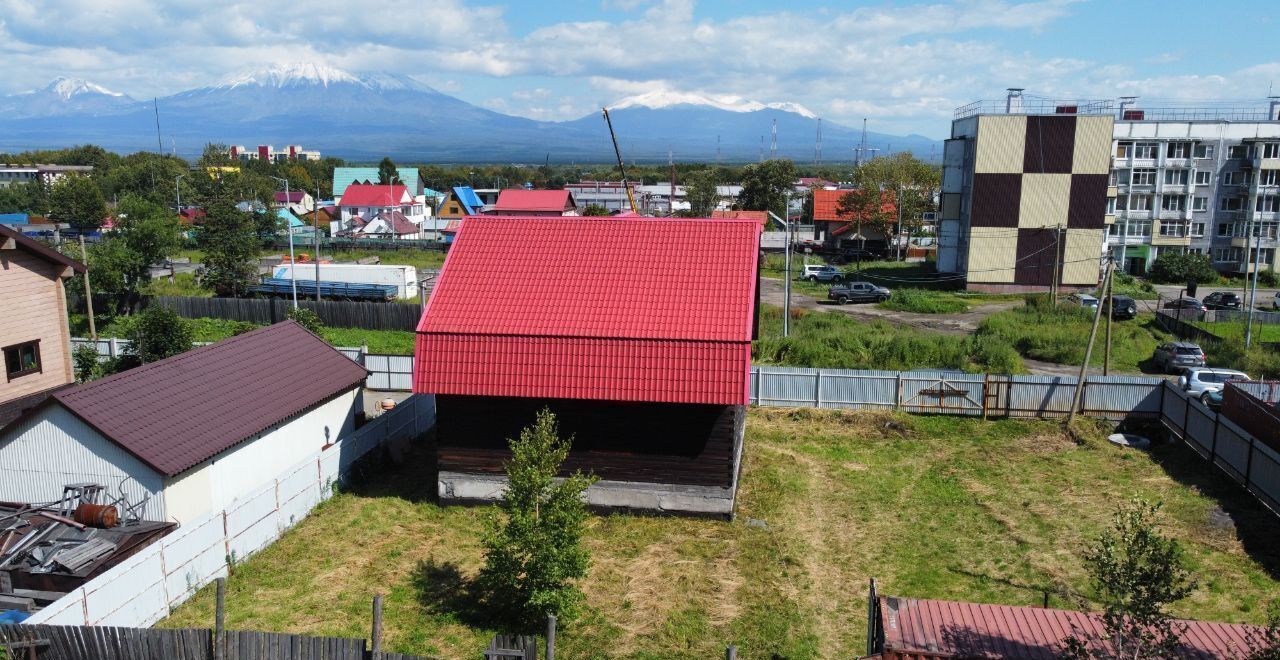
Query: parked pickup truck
x=857, y=292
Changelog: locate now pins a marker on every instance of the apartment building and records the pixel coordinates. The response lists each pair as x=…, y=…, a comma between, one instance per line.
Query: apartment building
x=268, y=152
x=1024, y=194
x=1204, y=180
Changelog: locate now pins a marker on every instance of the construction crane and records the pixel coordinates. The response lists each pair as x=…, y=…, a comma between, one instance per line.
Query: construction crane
x=621, y=167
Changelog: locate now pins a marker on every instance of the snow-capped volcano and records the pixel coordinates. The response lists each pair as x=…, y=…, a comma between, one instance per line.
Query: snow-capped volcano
x=64, y=96
x=660, y=99
x=303, y=74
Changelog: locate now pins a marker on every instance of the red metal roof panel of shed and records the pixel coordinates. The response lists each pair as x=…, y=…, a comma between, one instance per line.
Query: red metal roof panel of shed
x=945, y=629
x=827, y=202
x=519, y=199
x=634, y=309
x=175, y=413
x=362, y=194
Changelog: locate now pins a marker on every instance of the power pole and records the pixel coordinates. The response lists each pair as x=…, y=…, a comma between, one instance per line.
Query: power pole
x=1088, y=353
x=1108, y=290
x=1251, y=200
x=315, y=232
x=88, y=294
x=897, y=240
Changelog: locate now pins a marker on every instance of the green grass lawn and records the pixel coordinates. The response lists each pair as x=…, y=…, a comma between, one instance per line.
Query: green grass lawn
x=1235, y=331
x=919, y=504
x=1061, y=334
x=837, y=341
x=391, y=342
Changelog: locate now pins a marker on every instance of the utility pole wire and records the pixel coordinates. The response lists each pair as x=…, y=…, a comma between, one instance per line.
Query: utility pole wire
x=1109, y=290
x=1088, y=353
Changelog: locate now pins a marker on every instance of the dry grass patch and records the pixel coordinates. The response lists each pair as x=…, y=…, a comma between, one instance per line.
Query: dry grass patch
x=935, y=507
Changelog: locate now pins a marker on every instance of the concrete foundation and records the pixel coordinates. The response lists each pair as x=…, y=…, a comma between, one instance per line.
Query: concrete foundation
x=610, y=495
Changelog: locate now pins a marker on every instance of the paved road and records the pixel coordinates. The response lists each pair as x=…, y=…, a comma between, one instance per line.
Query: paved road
x=1265, y=296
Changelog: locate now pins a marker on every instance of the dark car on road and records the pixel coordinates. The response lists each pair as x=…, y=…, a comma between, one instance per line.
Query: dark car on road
x=1222, y=300
x=1125, y=307
x=858, y=292
x=1186, y=308
x=1174, y=355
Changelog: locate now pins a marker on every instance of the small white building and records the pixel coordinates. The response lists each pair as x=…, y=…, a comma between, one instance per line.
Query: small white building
x=193, y=432
x=386, y=208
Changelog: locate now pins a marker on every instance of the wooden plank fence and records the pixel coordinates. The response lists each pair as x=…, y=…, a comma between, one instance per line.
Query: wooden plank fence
x=44, y=642
x=265, y=311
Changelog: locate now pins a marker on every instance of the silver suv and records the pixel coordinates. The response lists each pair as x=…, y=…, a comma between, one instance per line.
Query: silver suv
x=1200, y=381
x=822, y=273
x=1174, y=355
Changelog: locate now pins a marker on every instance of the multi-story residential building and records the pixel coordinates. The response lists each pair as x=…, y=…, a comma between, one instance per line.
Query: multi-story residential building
x=611, y=195
x=1204, y=180
x=1024, y=194
x=46, y=174
x=268, y=152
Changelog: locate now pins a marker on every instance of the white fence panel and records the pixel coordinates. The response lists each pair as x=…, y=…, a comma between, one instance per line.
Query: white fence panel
x=66, y=611
x=299, y=491
x=251, y=525
x=194, y=555
x=130, y=593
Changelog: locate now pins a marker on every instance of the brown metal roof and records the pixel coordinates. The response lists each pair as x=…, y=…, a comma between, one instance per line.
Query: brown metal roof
x=944, y=629
x=39, y=249
x=177, y=412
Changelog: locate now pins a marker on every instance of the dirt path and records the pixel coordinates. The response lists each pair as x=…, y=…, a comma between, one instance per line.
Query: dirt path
x=961, y=323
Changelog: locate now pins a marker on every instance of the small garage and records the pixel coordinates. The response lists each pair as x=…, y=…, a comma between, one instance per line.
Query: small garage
x=190, y=433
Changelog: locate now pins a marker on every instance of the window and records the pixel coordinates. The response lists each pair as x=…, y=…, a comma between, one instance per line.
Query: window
x=1121, y=177
x=1265, y=255
x=1230, y=178
x=1177, y=150
x=1196, y=230
x=1265, y=230
x=1231, y=203
x=1173, y=229
x=1204, y=177
x=1238, y=151
x=1231, y=229
x=1122, y=202
x=1269, y=178
x=1200, y=204
x=22, y=359
x=1267, y=204
x=1204, y=151
x=1173, y=203
x=1175, y=177
x=1144, y=177
x=1124, y=149
x=1222, y=255
x=1139, y=228
x=1140, y=203
x=1195, y=250
x=1111, y=206
x=1145, y=150
x=1271, y=150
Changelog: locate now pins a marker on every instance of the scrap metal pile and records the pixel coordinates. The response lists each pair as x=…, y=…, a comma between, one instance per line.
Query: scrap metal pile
x=50, y=548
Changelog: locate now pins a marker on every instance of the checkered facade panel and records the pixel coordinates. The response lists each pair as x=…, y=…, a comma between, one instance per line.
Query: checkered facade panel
x=1033, y=174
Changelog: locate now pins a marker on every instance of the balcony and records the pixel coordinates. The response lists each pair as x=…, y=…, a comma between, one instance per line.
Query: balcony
x=1177, y=162
x=1112, y=191
x=1243, y=242
x=1174, y=215
x=1134, y=215
x=1260, y=163
x=1183, y=241
x=1109, y=219
x=1128, y=240
x=1174, y=188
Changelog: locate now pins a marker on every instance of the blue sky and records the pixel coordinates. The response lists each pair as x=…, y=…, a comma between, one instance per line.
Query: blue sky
x=903, y=65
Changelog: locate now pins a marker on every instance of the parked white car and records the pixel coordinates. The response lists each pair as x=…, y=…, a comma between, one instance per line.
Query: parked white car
x=1083, y=300
x=1199, y=381
x=1275, y=300
x=822, y=273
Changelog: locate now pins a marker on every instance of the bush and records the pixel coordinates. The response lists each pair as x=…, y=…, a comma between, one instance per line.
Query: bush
x=924, y=302
x=1268, y=279
x=307, y=319
x=87, y=366
x=157, y=333
x=1180, y=268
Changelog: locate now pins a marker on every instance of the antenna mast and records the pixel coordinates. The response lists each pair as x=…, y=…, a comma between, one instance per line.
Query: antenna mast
x=862, y=148
x=159, y=143
x=773, y=142
x=817, y=149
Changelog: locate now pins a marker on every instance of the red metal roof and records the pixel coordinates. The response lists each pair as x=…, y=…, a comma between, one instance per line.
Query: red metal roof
x=826, y=202
x=761, y=217
x=636, y=309
x=182, y=410
x=293, y=196
x=944, y=629
x=521, y=200
x=361, y=194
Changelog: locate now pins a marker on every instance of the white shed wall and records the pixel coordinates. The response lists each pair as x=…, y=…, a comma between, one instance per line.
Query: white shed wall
x=243, y=469
x=38, y=456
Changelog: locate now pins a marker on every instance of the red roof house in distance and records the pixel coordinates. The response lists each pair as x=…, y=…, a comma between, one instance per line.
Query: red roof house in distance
x=518, y=201
x=844, y=226
x=761, y=217
x=634, y=333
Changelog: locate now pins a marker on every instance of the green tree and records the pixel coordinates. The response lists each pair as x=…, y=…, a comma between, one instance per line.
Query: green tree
x=157, y=333
x=30, y=197
x=702, y=193
x=594, y=210
x=230, y=240
x=77, y=200
x=145, y=234
x=533, y=555
x=1137, y=572
x=866, y=208
x=215, y=154
x=1179, y=268
x=766, y=186
x=387, y=173
x=307, y=319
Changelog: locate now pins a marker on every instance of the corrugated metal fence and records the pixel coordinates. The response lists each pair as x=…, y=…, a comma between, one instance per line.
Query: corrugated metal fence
x=954, y=393
x=263, y=311
x=387, y=372
x=142, y=589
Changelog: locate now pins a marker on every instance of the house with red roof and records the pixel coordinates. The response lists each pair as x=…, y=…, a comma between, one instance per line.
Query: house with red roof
x=634, y=334
x=363, y=203
x=846, y=229
x=519, y=201
x=298, y=201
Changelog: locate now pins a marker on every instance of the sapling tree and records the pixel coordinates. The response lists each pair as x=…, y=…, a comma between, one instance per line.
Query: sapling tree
x=533, y=552
x=1137, y=572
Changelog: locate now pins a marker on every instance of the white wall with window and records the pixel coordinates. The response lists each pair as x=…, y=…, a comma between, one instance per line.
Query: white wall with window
x=1200, y=204
x=1227, y=254
x=1176, y=177
x=1204, y=177
x=1173, y=202
x=1204, y=151
x=1144, y=177
x=1178, y=150
x=1146, y=150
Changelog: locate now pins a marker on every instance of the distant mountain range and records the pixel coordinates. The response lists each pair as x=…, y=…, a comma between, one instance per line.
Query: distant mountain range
x=365, y=117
